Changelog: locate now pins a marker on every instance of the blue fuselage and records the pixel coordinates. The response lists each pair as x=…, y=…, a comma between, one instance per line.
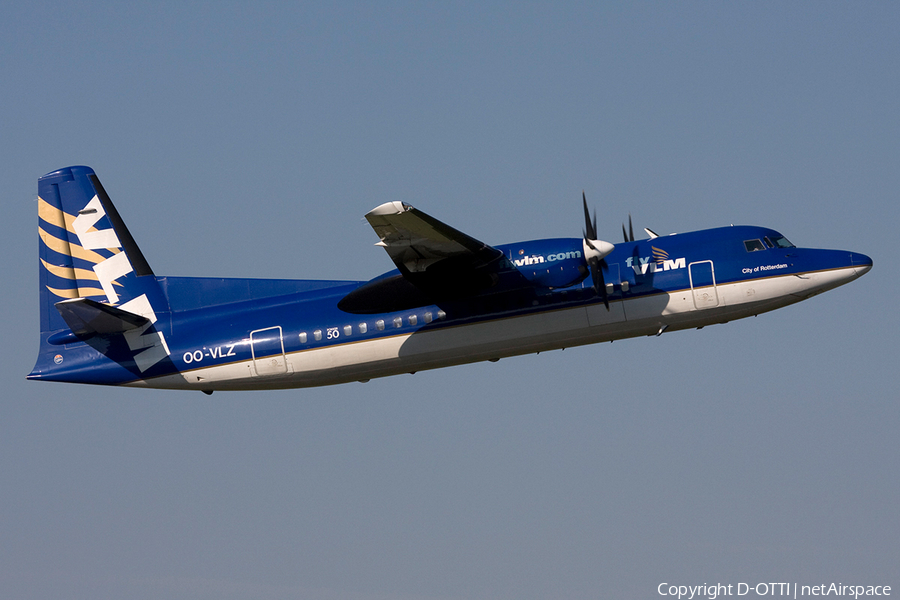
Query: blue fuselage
x=245, y=333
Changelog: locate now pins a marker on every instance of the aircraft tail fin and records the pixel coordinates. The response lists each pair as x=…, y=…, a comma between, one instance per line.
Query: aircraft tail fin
x=94, y=280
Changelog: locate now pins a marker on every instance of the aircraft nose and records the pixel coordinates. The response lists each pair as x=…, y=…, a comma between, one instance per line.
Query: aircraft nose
x=861, y=262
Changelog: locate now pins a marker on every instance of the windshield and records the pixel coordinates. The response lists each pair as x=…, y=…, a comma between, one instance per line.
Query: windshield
x=779, y=241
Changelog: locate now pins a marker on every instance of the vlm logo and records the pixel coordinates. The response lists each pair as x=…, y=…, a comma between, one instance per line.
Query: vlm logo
x=537, y=259
x=661, y=262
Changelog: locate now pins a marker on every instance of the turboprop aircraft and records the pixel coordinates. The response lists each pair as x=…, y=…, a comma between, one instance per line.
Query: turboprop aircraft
x=107, y=318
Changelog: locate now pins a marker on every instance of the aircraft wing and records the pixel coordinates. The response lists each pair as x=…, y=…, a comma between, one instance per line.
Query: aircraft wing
x=436, y=263
x=416, y=241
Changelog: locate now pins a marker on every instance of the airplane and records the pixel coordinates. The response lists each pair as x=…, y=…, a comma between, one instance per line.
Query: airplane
x=107, y=318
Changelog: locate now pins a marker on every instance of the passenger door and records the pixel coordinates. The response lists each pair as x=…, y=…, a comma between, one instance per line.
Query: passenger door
x=267, y=348
x=703, y=284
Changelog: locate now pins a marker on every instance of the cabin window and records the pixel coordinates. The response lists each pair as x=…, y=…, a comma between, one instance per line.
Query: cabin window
x=363, y=328
x=428, y=317
x=379, y=325
x=398, y=321
x=754, y=245
x=317, y=335
x=348, y=329
x=413, y=319
x=303, y=337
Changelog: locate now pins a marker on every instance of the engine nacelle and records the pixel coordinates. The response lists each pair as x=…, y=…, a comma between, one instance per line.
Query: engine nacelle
x=554, y=263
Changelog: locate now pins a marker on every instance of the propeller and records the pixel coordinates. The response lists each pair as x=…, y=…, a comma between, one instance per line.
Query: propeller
x=594, y=252
x=629, y=237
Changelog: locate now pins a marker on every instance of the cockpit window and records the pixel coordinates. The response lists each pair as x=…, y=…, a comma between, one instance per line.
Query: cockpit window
x=780, y=241
x=754, y=245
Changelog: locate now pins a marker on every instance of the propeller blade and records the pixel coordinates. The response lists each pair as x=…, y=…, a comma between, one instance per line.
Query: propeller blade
x=603, y=293
x=595, y=261
x=628, y=235
x=599, y=283
x=590, y=228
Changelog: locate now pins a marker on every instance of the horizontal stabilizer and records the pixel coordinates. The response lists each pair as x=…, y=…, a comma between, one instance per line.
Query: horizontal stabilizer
x=89, y=317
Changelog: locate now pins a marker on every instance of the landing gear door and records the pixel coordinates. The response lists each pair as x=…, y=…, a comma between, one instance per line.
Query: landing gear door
x=267, y=348
x=703, y=284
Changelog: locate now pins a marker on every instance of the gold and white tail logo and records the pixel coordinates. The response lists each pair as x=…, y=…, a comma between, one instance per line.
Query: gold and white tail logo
x=150, y=347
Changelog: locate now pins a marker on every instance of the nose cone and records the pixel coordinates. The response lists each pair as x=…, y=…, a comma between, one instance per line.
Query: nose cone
x=823, y=270
x=861, y=263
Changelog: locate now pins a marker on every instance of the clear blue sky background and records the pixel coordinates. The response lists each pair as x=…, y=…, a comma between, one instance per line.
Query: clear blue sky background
x=249, y=140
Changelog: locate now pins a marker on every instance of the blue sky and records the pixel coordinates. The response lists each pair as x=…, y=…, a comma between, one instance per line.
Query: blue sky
x=248, y=140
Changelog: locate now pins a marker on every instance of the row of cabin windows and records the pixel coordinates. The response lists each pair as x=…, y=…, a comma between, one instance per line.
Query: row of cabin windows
x=362, y=328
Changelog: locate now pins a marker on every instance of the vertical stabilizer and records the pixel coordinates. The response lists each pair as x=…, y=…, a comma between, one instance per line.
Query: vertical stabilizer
x=88, y=258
